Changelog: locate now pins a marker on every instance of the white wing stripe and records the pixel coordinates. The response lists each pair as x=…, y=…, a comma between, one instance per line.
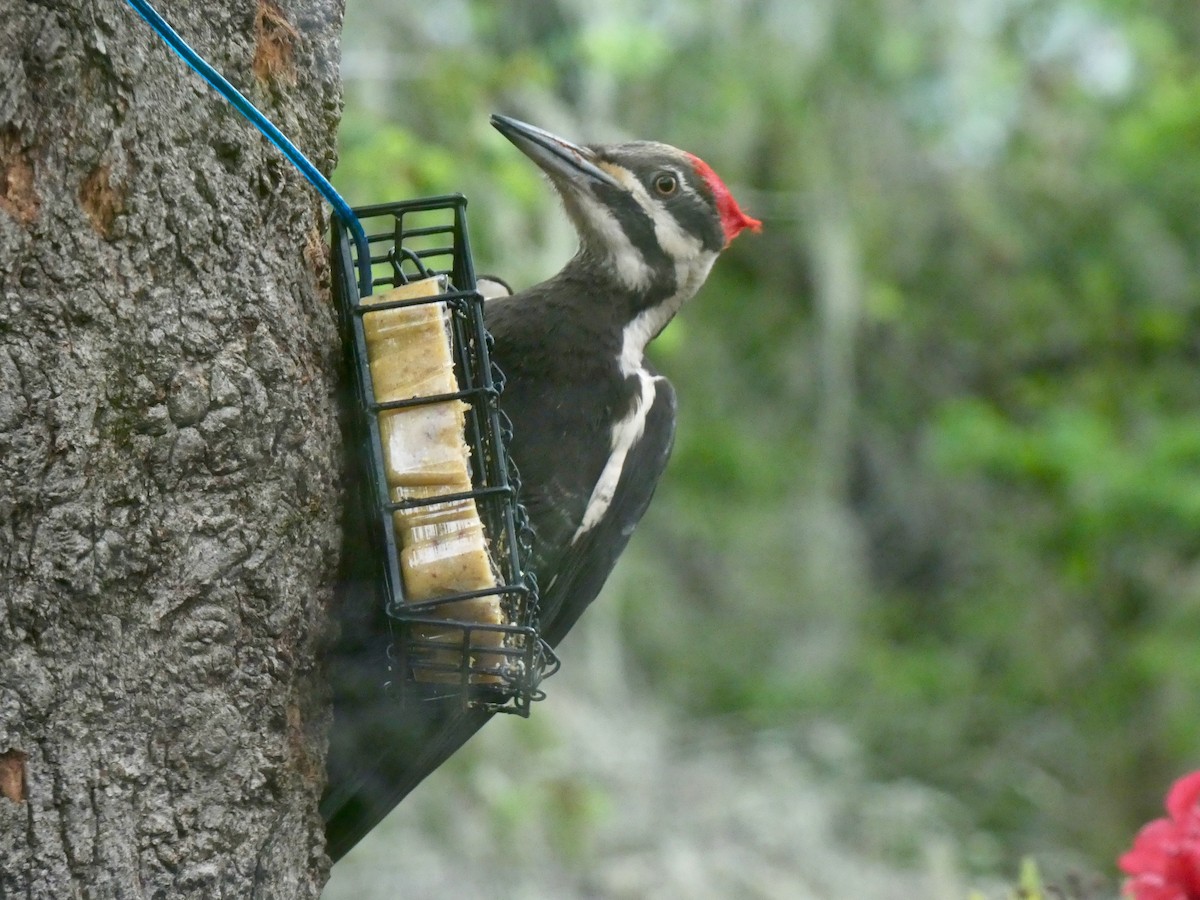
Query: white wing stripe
x=625, y=434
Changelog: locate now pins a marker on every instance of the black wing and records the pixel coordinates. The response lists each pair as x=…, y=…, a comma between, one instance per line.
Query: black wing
x=586, y=563
x=376, y=759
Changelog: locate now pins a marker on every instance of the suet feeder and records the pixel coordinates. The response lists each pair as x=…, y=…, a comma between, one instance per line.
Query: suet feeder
x=461, y=624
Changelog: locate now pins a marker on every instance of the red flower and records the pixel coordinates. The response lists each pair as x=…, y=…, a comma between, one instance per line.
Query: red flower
x=1165, y=859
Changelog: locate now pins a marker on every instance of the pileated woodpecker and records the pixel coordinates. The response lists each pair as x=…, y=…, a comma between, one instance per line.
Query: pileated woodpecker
x=592, y=421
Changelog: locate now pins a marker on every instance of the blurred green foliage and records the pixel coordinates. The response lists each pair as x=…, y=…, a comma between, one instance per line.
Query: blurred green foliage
x=938, y=465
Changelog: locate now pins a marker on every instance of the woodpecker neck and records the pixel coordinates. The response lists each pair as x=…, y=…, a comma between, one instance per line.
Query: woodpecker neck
x=647, y=324
x=630, y=299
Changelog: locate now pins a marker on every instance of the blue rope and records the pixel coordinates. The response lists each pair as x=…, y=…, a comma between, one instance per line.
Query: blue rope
x=340, y=207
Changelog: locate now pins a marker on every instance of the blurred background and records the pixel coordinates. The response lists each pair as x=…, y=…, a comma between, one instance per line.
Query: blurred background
x=920, y=592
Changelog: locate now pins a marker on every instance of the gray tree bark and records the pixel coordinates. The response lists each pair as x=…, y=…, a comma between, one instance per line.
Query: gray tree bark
x=169, y=452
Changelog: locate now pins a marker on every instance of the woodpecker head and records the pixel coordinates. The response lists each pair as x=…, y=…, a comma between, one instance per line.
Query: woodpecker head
x=654, y=216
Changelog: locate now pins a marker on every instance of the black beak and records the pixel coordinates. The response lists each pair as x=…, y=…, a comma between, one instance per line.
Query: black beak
x=557, y=157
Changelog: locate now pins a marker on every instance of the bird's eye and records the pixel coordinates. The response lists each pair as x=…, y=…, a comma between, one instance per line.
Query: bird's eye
x=666, y=184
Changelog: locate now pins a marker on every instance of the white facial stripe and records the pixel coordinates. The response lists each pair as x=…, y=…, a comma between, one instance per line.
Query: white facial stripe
x=692, y=265
x=692, y=262
x=632, y=268
x=675, y=242
x=624, y=435
x=690, y=276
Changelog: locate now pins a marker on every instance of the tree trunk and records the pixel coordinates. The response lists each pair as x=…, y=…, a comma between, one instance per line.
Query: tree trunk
x=169, y=452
